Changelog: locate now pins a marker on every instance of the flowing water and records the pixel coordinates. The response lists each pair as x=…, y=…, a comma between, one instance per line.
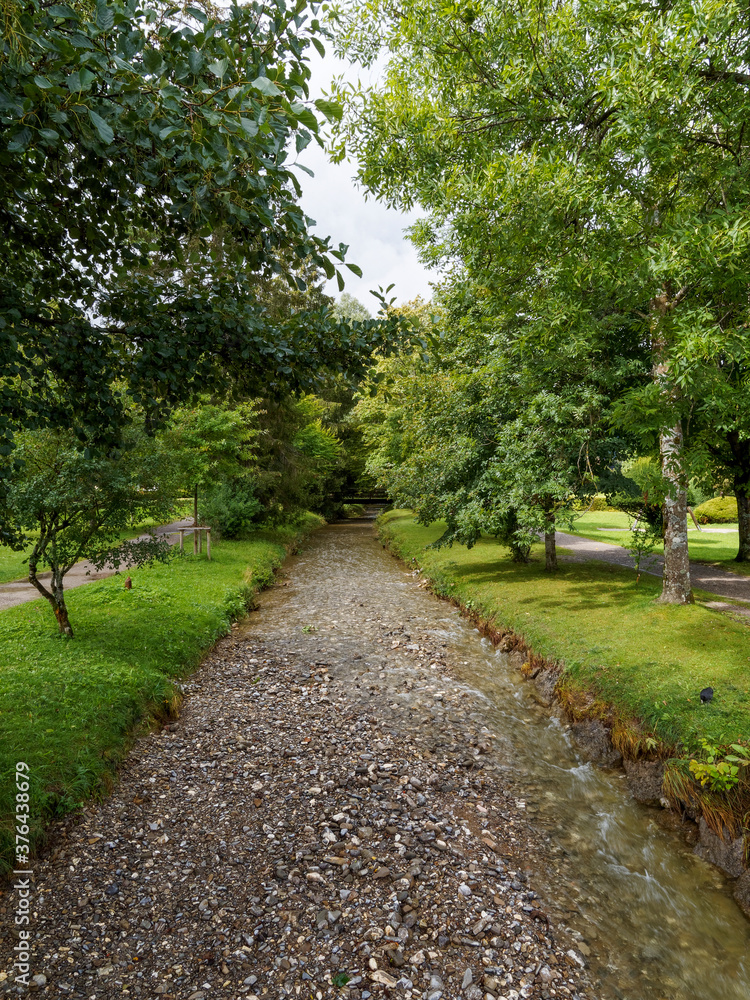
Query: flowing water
x=655, y=922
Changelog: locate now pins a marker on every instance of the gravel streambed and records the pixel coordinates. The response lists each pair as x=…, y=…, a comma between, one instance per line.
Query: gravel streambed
x=326, y=819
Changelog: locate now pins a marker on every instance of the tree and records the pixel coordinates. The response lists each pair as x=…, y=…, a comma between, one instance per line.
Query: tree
x=76, y=507
x=348, y=307
x=147, y=184
x=575, y=153
x=483, y=434
x=211, y=442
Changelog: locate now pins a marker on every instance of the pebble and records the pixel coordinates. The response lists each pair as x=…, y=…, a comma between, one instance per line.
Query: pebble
x=293, y=824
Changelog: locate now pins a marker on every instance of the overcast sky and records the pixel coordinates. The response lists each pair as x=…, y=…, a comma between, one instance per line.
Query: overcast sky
x=374, y=233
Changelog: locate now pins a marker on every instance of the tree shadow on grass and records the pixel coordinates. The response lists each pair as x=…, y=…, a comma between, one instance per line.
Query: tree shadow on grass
x=689, y=637
x=577, y=586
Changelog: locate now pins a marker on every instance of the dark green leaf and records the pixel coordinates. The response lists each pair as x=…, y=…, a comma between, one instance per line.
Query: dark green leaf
x=195, y=60
x=152, y=60
x=105, y=15
x=331, y=109
x=197, y=13
x=105, y=132
x=219, y=67
x=266, y=86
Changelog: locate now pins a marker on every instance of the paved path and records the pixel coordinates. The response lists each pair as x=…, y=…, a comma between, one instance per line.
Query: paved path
x=717, y=581
x=21, y=591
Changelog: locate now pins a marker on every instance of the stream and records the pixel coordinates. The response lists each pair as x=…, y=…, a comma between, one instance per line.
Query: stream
x=653, y=920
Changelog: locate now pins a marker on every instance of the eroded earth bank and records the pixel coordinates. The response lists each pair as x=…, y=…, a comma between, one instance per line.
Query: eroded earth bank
x=360, y=799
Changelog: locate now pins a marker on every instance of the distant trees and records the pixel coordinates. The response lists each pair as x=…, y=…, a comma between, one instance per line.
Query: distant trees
x=584, y=165
x=148, y=198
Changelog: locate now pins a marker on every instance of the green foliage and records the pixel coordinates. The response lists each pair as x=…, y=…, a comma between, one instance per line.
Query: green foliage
x=148, y=190
x=596, y=503
x=347, y=307
x=231, y=509
x=70, y=505
x=645, y=537
x=481, y=433
x=568, y=159
x=353, y=510
x=69, y=710
x=719, y=510
x=719, y=770
x=212, y=441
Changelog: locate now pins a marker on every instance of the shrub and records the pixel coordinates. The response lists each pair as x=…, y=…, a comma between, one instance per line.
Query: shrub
x=231, y=509
x=696, y=495
x=589, y=504
x=353, y=510
x=720, y=510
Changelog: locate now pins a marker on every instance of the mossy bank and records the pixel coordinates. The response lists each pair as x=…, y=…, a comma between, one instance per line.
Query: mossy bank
x=70, y=707
x=627, y=671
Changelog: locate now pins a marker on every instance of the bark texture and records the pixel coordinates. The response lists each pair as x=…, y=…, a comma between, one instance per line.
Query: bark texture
x=739, y=449
x=55, y=595
x=676, y=586
x=550, y=550
x=743, y=519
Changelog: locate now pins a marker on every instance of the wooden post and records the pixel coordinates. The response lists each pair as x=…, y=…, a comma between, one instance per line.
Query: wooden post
x=195, y=541
x=182, y=540
x=208, y=543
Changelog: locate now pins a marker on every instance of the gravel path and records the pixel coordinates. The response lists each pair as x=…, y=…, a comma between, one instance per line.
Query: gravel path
x=326, y=819
x=21, y=591
x=717, y=581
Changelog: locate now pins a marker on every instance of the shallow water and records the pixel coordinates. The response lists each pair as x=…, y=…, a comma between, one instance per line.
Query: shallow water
x=659, y=923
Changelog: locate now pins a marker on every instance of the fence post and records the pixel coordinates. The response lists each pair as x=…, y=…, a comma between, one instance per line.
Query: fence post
x=208, y=543
x=195, y=542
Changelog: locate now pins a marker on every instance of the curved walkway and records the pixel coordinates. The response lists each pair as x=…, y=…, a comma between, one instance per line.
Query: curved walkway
x=704, y=577
x=21, y=591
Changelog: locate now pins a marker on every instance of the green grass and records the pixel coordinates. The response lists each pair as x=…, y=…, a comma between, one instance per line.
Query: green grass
x=647, y=660
x=13, y=565
x=714, y=547
x=68, y=708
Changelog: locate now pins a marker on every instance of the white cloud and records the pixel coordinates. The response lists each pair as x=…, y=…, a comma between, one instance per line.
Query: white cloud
x=374, y=233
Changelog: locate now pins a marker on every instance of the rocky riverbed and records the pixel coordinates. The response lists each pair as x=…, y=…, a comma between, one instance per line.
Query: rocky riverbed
x=327, y=818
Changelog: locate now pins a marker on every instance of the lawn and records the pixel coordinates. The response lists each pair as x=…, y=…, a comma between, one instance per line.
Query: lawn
x=715, y=544
x=68, y=707
x=648, y=660
x=13, y=564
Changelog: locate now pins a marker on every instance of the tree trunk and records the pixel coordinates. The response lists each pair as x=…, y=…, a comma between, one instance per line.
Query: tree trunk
x=55, y=596
x=743, y=519
x=676, y=584
x=61, y=613
x=550, y=548
x=740, y=452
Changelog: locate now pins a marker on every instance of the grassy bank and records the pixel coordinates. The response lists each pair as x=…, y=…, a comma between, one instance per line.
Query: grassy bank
x=715, y=544
x=68, y=707
x=638, y=664
x=14, y=565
